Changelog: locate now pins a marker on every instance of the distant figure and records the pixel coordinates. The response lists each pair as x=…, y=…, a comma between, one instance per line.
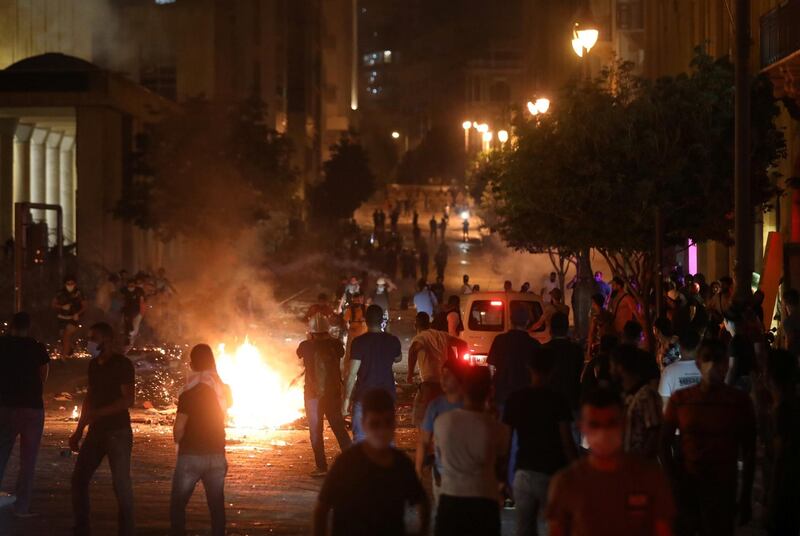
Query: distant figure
x=525, y=288
x=425, y=300
x=321, y=307
x=507, y=286
x=24, y=363
x=621, y=305
x=433, y=226
x=466, y=288
x=442, y=227
x=602, y=287
x=199, y=432
x=549, y=284
x=133, y=307
x=440, y=259
x=371, y=483
x=465, y=230
x=69, y=304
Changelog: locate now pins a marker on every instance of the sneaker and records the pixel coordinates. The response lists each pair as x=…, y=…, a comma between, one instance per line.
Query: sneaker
x=319, y=472
x=7, y=499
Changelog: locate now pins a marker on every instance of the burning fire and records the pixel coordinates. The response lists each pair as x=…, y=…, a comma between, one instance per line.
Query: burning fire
x=262, y=396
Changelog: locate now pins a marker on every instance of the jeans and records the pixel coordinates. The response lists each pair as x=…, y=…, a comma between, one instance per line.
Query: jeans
x=189, y=470
x=28, y=424
x=358, y=430
x=316, y=410
x=116, y=445
x=530, y=494
x=467, y=516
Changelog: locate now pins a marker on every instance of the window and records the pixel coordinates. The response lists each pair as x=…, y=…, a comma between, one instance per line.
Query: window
x=487, y=315
x=534, y=311
x=630, y=15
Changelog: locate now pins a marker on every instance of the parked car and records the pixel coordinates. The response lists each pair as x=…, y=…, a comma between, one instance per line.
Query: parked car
x=487, y=314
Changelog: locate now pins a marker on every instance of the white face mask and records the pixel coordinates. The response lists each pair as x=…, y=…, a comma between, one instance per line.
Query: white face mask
x=93, y=348
x=604, y=442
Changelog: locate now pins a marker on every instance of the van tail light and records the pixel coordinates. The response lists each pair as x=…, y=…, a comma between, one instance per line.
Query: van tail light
x=496, y=303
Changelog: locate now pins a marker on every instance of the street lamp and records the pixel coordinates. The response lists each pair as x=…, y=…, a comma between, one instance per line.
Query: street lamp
x=466, y=125
x=532, y=108
x=584, y=31
x=396, y=135
x=483, y=128
x=487, y=139
x=542, y=105
x=502, y=136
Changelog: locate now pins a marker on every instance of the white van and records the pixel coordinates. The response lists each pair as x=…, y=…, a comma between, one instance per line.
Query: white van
x=487, y=314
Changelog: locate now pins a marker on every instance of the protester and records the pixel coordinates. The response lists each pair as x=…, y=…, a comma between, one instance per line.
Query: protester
x=550, y=283
x=465, y=230
x=631, y=333
x=452, y=379
x=25, y=364
x=321, y=355
x=466, y=288
x=721, y=300
x=603, y=288
x=380, y=297
x=471, y=445
x=717, y=426
x=783, y=494
x=430, y=348
x=555, y=306
x=354, y=317
x=373, y=355
x=601, y=323
x=642, y=403
x=370, y=484
x=449, y=319
x=608, y=492
x=133, y=307
x=541, y=419
x=433, y=225
x=105, y=412
x=508, y=286
x=441, y=256
x=667, y=350
x=597, y=372
x=741, y=350
x=684, y=372
x=69, y=304
x=437, y=288
x=621, y=305
x=424, y=300
x=510, y=355
x=525, y=288
x=199, y=432
x=322, y=306
x=566, y=376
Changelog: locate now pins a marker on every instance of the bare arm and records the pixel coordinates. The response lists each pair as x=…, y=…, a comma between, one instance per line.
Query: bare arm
x=423, y=448
x=179, y=428
x=321, y=519
x=355, y=364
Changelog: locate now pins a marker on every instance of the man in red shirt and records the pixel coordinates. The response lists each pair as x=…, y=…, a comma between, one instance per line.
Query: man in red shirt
x=717, y=425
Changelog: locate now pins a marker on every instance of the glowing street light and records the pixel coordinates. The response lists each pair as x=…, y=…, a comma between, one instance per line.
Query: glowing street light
x=483, y=128
x=396, y=135
x=487, y=136
x=502, y=136
x=542, y=105
x=532, y=108
x=466, y=125
x=584, y=32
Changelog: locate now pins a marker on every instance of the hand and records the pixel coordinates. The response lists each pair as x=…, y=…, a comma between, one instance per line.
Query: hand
x=75, y=441
x=745, y=512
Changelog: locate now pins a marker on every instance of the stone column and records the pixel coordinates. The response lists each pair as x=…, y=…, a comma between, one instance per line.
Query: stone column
x=38, y=170
x=7, y=127
x=22, y=163
x=67, y=171
x=52, y=180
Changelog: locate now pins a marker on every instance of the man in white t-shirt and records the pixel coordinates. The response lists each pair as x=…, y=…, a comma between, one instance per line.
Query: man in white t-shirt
x=684, y=372
x=470, y=444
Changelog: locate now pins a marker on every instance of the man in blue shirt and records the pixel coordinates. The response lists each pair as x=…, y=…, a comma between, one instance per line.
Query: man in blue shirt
x=450, y=400
x=424, y=300
x=373, y=355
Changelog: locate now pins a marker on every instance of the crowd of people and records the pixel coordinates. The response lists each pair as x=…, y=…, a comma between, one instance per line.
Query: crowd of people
x=120, y=299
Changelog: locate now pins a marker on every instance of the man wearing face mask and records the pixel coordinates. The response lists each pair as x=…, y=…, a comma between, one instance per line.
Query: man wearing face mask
x=370, y=484
x=105, y=412
x=69, y=305
x=717, y=425
x=608, y=492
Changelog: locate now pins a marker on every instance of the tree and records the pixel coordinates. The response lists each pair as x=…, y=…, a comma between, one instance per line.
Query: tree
x=208, y=171
x=347, y=183
x=592, y=172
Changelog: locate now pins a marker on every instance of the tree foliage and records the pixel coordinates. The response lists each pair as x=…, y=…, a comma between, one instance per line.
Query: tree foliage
x=208, y=170
x=592, y=172
x=347, y=183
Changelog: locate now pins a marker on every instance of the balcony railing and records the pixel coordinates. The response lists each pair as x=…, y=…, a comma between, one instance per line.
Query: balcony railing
x=780, y=32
